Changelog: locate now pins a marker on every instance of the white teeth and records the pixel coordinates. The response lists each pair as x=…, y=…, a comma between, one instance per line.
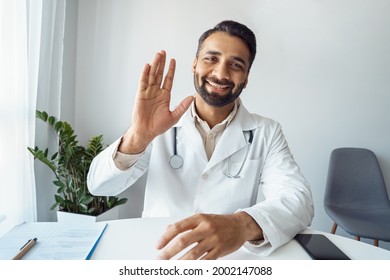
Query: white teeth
x=217, y=85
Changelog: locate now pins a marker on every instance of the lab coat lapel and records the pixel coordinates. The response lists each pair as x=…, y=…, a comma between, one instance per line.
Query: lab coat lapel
x=189, y=135
x=233, y=138
x=231, y=141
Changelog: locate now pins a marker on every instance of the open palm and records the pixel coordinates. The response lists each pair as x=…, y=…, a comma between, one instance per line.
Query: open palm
x=152, y=115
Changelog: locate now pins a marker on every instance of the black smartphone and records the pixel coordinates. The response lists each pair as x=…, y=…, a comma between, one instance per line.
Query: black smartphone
x=319, y=247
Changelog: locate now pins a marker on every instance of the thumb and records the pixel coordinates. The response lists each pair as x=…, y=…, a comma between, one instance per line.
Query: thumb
x=182, y=108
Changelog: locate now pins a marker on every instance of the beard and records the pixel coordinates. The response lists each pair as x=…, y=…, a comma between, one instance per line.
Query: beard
x=215, y=99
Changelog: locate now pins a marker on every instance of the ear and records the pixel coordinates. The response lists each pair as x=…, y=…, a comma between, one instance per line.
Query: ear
x=194, y=65
x=246, y=81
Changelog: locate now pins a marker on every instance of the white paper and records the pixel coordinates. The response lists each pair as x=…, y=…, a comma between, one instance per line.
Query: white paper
x=56, y=241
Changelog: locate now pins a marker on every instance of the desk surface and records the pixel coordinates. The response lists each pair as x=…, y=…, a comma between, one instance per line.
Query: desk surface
x=135, y=239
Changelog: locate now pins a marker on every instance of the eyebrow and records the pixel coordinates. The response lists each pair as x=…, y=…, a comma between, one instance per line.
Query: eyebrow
x=236, y=58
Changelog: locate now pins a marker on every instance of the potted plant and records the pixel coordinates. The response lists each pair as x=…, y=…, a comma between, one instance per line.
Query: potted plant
x=70, y=165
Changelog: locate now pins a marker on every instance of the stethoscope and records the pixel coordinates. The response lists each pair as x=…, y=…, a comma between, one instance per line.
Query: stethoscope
x=228, y=173
x=176, y=161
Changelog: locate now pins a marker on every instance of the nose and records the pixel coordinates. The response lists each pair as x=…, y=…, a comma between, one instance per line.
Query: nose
x=221, y=71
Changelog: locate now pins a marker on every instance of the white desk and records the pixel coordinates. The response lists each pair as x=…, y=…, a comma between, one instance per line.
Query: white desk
x=135, y=239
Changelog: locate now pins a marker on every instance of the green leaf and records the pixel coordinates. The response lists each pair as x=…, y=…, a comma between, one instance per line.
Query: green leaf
x=59, y=199
x=54, y=206
x=121, y=201
x=59, y=184
x=66, y=203
x=54, y=156
x=41, y=115
x=83, y=208
x=40, y=155
x=115, y=201
x=86, y=199
x=46, y=153
x=58, y=126
x=51, y=120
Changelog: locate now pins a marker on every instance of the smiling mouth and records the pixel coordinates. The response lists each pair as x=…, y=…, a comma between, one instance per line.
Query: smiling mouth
x=218, y=87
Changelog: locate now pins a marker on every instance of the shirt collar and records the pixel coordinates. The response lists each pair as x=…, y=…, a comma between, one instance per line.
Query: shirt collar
x=225, y=122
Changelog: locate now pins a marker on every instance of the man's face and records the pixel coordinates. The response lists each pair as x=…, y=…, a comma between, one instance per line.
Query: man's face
x=221, y=69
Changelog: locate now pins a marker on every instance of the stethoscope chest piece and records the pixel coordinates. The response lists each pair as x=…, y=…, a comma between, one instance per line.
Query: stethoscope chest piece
x=176, y=161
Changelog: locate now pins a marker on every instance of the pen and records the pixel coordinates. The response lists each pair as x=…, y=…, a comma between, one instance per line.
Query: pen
x=26, y=247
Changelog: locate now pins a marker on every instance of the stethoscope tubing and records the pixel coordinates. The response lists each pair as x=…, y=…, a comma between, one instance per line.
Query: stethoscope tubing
x=176, y=161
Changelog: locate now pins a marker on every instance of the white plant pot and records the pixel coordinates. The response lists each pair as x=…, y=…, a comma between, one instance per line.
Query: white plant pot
x=65, y=217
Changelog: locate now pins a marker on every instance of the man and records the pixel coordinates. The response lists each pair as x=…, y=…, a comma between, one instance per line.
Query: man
x=229, y=172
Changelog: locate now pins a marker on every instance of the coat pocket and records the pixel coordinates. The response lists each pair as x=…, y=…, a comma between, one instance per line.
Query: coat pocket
x=243, y=188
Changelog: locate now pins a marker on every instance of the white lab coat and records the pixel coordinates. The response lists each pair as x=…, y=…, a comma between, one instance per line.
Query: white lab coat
x=271, y=187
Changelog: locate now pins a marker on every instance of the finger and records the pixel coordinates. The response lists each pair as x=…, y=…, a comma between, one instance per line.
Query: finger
x=182, y=108
x=183, y=242
x=143, y=81
x=160, y=71
x=168, y=81
x=198, y=251
x=174, y=230
x=178, y=245
x=211, y=255
x=152, y=79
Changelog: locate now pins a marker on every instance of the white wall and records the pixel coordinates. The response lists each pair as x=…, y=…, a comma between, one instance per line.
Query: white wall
x=322, y=70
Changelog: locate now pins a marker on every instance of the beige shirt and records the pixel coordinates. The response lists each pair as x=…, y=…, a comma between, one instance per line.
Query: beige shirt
x=210, y=137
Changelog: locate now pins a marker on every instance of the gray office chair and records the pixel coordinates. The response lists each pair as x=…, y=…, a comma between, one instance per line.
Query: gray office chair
x=356, y=197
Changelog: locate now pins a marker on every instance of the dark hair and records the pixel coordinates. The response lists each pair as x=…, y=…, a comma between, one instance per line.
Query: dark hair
x=236, y=29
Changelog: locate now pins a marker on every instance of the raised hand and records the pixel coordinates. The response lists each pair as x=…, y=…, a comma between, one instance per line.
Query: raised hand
x=151, y=114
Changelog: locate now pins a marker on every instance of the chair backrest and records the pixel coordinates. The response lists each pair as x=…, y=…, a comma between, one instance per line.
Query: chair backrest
x=355, y=180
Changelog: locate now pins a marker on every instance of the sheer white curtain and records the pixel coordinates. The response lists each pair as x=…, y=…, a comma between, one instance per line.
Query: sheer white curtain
x=49, y=96
x=31, y=50
x=17, y=120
